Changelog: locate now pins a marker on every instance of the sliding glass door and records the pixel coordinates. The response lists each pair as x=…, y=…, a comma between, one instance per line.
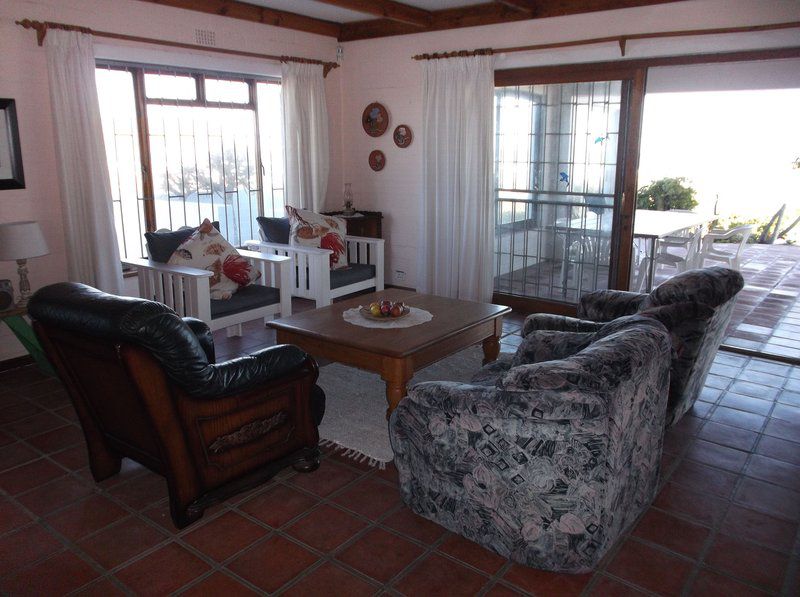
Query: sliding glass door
x=559, y=178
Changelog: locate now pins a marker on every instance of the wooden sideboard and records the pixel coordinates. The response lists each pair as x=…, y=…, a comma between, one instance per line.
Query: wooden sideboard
x=365, y=223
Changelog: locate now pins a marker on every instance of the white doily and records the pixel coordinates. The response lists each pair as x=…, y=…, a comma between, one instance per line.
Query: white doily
x=415, y=317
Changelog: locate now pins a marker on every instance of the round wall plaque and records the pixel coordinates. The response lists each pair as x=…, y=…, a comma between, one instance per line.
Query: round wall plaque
x=377, y=160
x=375, y=120
x=402, y=135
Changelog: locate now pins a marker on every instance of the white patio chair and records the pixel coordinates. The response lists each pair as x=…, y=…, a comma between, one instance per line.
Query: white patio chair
x=690, y=245
x=731, y=258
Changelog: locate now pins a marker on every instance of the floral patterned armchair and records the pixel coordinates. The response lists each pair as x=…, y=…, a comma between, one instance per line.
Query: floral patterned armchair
x=549, y=454
x=702, y=302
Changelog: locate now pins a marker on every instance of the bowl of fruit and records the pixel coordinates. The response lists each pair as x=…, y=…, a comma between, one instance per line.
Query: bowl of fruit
x=382, y=310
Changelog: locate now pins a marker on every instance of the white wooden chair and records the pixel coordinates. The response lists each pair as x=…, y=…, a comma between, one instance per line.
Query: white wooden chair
x=731, y=258
x=186, y=290
x=310, y=273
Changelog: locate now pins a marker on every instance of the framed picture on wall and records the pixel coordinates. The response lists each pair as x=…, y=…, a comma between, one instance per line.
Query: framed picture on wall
x=11, y=175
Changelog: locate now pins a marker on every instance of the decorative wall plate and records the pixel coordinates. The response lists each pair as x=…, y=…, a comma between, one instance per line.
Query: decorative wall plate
x=377, y=160
x=375, y=120
x=402, y=135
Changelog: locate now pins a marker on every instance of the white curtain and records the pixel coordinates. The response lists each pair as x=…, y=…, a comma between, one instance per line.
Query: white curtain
x=92, y=250
x=457, y=224
x=305, y=125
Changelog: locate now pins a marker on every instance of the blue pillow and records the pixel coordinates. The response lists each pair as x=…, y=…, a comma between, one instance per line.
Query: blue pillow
x=161, y=245
x=275, y=230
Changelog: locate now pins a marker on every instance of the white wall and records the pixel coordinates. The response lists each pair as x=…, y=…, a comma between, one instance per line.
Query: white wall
x=382, y=70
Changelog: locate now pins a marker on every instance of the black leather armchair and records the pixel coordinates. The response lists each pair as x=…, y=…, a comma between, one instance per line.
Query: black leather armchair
x=145, y=385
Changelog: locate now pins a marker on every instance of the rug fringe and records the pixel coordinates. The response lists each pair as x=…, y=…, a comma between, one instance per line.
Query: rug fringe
x=353, y=454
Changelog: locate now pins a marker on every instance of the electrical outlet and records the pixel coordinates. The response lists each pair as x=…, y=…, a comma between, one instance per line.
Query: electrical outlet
x=399, y=275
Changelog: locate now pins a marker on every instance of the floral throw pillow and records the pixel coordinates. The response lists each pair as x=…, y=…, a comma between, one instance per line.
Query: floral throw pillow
x=207, y=249
x=310, y=229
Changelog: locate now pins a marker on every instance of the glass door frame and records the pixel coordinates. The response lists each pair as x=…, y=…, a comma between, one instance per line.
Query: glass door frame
x=630, y=124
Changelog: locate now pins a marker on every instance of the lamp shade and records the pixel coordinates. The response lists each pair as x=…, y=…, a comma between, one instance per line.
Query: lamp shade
x=21, y=240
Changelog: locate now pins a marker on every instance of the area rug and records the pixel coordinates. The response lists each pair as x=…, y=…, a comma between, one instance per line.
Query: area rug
x=355, y=409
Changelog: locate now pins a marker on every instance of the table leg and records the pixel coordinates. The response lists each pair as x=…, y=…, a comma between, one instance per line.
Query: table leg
x=396, y=375
x=491, y=348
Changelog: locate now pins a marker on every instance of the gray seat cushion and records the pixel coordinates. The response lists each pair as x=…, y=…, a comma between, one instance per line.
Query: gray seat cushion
x=249, y=297
x=357, y=272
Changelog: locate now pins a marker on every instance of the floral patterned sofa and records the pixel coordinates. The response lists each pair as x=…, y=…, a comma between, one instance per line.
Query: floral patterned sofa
x=549, y=454
x=704, y=300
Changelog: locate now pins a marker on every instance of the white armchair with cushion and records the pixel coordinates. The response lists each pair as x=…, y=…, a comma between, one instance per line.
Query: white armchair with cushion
x=187, y=290
x=310, y=274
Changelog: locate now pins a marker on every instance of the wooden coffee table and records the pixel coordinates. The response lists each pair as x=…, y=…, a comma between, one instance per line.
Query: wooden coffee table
x=395, y=353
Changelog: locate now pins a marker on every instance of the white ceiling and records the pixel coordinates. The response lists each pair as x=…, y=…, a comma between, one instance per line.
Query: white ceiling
x=319, y=10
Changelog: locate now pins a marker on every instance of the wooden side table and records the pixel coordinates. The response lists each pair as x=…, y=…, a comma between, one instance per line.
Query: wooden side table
x=363, y=223
x=15, y=320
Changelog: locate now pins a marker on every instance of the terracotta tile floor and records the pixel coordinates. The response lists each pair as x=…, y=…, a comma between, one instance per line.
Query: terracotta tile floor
x=724, y=523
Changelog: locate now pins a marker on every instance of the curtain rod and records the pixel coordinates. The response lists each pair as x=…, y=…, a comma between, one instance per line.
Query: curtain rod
x=42, y=27
x=622, y=40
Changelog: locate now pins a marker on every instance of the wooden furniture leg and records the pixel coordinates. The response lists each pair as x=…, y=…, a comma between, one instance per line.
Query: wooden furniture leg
x=491, y=348
x=396, y=375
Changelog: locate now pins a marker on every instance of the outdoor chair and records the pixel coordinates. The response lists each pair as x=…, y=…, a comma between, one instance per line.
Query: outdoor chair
x=730, y=258
x=309, y=267
x=145, y=385
x=186, y=289
x=689, y=247
x=704, y=300
x=548, y=455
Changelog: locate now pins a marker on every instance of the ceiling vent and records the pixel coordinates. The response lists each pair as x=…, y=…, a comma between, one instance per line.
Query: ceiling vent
x=204, y=37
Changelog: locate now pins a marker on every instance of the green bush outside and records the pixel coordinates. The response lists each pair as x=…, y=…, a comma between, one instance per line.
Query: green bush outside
x=665, y=194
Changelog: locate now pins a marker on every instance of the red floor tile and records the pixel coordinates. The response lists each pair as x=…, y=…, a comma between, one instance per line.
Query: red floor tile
x=471, y=553
x=329, y=477
x=11, y=516
x=773, y=532
x=57, y=575
x=118, y=543
x=141, y=491
x=224, y=536
x=326, y=528
x=14, y=411
x=46, y=498
x=101, y=588
x=30, y=475
x=609, y=587
x=768, y=498
x=704, y=479
x=713, y=454
x=85, y=517
x=673, y=533
x=711, y=584
x=388, y=474
x=704, y=509
x=369, y=497
x=437, y=575
x=331, y=581
x=779, y=449
x=73, y=458
x=650, y=568
x=15, y=454
x=272, y=563
x=24, y=546
x=162, y=571
x=277, y=505
x=733, y=437
x=541, y=582
x=57, y=439
x=218, y=585
x=380, y=554
x=747, y=561
x=38, y=423
x=774, y=471
x=413, y=525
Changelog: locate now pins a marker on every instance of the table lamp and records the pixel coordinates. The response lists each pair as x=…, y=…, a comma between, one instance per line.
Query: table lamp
x=20, y=241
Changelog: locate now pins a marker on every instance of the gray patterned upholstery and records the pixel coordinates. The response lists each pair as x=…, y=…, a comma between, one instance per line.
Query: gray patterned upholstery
x=547, y=456
x=702, y=302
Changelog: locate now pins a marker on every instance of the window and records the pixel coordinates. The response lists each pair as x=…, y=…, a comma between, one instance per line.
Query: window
x=186, y=145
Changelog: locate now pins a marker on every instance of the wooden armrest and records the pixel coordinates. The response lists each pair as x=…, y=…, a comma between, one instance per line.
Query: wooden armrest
x=263, y=256
x=182, y=270
x=288, y=248
x=364, y=239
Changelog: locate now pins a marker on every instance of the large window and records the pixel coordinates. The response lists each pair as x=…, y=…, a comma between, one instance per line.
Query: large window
x=184, y=145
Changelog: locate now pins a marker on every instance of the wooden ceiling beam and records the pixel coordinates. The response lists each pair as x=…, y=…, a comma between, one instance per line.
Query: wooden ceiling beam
x=256, y=14
x=386, y=9
x=490, y=13
x=529, y=7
